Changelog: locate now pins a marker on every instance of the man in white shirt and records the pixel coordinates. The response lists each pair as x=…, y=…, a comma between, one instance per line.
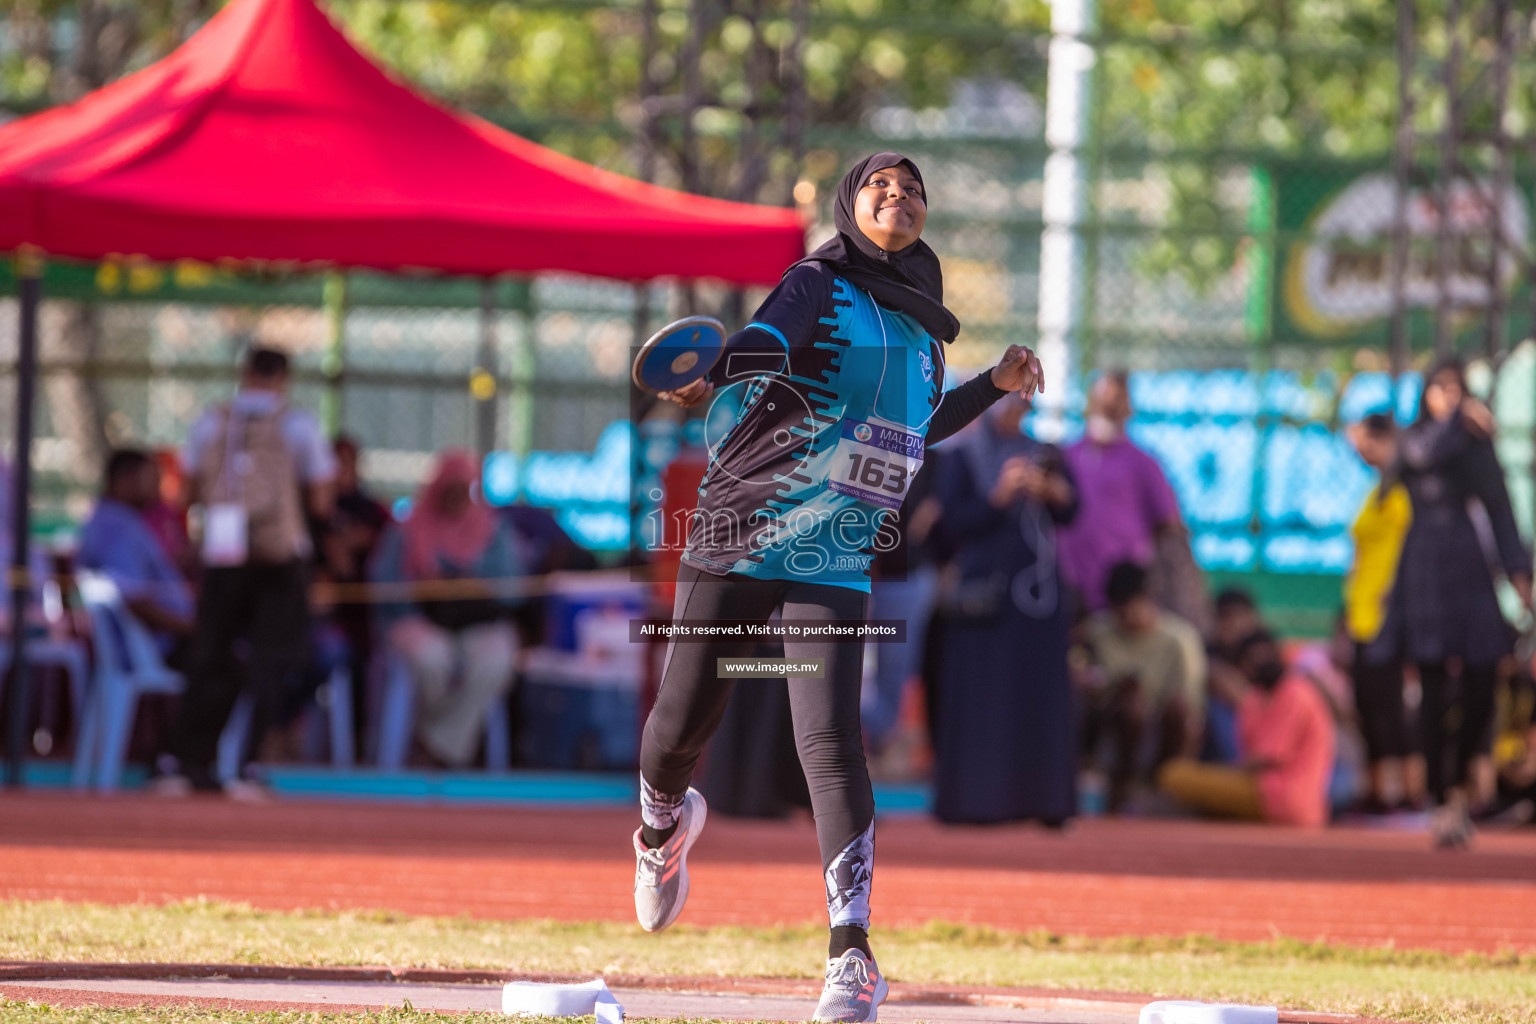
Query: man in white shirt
x=260, y=469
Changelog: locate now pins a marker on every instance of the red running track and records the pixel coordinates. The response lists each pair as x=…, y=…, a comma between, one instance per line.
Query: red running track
x=1101, y=878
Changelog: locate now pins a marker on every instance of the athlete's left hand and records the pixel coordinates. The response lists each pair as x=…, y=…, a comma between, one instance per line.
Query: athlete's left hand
x=1019, y=370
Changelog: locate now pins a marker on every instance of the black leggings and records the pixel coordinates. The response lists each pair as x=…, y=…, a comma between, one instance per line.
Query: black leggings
x=1379, y=700
x=1458, y=728
x=825, y=711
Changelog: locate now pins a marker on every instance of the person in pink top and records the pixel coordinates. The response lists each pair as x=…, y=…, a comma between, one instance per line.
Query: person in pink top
x=1288, y=741
x=1126, y=499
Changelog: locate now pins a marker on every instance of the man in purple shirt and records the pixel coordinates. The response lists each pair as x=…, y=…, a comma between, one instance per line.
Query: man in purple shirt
x=1124, y=499
x=117, y=542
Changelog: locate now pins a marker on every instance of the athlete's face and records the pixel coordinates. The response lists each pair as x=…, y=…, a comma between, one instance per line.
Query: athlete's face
x=890, y=208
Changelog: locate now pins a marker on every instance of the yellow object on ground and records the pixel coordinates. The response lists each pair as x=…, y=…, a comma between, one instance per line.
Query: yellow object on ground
x=1213, y=789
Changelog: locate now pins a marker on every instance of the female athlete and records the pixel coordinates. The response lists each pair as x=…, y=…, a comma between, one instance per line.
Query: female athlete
x=840, y=377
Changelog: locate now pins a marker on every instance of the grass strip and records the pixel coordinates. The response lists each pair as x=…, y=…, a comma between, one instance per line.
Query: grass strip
x=13, y=1012
x=1410, y=985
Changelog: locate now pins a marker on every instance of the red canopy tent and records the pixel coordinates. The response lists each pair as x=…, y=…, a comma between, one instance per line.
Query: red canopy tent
x=269, y=137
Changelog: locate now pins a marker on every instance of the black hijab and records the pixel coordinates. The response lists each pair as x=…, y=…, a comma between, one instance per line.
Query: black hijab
x=909, y=280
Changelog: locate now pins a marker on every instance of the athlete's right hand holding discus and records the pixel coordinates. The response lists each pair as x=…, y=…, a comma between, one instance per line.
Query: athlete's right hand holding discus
x=1019, y=370
x=691, y=395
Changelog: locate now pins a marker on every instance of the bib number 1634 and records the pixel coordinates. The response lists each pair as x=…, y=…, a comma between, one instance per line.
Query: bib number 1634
x=878, y=473
x=875, y=462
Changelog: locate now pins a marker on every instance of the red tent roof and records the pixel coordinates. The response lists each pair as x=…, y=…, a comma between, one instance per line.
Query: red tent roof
x=267, y=136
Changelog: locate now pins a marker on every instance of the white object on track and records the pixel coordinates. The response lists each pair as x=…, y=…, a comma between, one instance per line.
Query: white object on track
x=1176, y=1011
x=592, y=997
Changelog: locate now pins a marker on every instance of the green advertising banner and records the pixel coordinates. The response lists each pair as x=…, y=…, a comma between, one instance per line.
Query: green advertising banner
x=1334, y=248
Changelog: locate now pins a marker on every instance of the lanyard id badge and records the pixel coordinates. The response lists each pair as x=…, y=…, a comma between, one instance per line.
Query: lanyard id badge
x=226, y=534
x=226, y=524
x=875, y=461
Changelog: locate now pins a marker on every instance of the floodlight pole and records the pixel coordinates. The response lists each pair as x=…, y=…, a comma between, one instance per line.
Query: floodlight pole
x=1069, y=102
x=18, y=703
x=1402, y=168
x=1497, y=341
x=1450, y=136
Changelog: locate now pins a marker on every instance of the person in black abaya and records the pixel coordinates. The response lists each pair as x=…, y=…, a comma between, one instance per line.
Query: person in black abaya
x=1444, y=612
x=1003, y=739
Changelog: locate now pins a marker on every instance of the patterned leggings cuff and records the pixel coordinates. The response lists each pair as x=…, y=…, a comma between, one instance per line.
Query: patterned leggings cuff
x=659, y=810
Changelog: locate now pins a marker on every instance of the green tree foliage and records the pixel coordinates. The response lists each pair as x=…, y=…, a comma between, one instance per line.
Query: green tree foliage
x=1190, y=91
x=1216, y=85
x=54, y=51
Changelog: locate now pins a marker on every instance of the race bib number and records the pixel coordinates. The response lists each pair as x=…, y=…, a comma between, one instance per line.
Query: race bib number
x=875, y=461
x=225, y=540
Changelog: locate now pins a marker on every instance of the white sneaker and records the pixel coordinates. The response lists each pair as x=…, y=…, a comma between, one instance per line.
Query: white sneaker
x=1451, y=824
x=854, y=989
x=661, y=875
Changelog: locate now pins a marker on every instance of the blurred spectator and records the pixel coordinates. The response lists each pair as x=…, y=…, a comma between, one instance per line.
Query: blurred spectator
x=359, y=519
x=1237, y=617
x=1396, y=771
x=1003, y=747
x=256, y=465
x=1444, y=612
x=450, y=553
x=347, y=544
x=905, y=582
x=1288, y=740
x=1326, y=665
x=1515, y=752
x=167, y=517
x=1177, y=582
x=1150, y=702
x=119, y=542
x=1126, y=500
x=549, y=548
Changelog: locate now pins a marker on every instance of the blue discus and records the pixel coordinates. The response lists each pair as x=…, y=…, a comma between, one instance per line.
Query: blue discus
x=679, y=354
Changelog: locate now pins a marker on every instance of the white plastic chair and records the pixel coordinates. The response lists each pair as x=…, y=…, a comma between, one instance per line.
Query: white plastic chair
x=127, y=664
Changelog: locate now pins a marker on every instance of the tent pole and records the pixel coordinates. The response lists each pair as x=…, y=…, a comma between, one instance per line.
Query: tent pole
x=334, y=364
x=18, y=703
x=524, y=358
